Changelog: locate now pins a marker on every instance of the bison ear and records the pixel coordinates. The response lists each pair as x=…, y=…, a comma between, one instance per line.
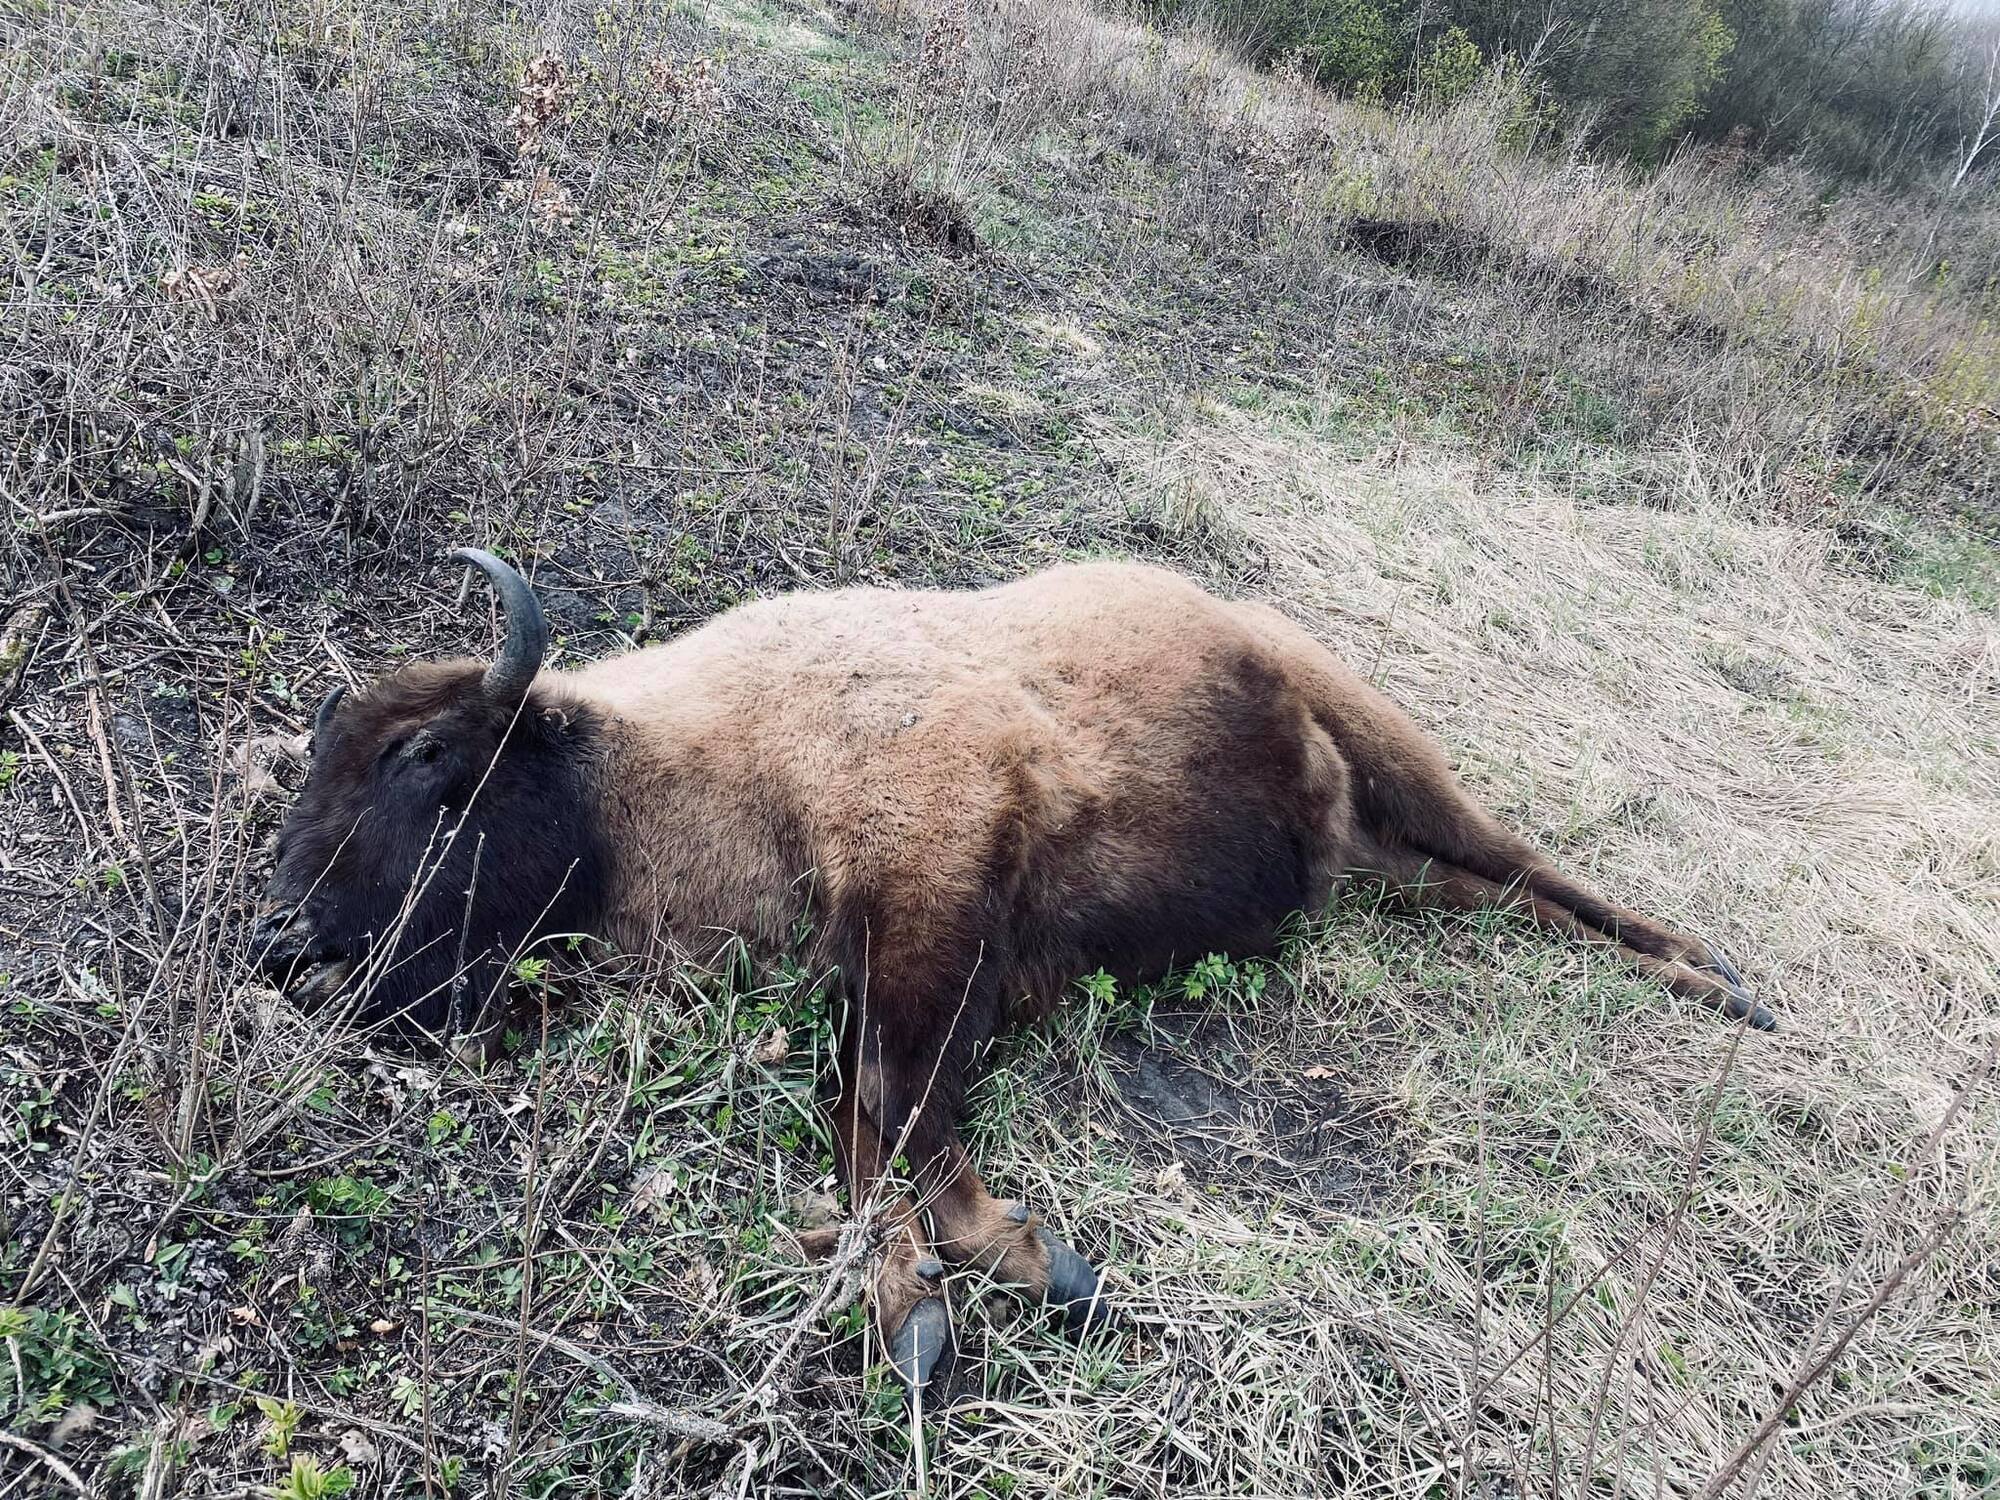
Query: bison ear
x=520, y=658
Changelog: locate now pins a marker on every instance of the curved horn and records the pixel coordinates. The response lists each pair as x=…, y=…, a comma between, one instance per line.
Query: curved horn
x=521, y=653
x=323, y=720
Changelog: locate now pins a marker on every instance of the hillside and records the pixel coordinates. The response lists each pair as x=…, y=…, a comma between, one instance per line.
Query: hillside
x=1668, y=502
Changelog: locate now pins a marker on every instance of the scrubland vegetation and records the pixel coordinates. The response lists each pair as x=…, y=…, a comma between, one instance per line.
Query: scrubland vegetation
x=1664, y=494
x=1857, y=87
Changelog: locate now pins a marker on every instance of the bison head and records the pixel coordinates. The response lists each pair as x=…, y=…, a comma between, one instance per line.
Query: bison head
x=449, y=820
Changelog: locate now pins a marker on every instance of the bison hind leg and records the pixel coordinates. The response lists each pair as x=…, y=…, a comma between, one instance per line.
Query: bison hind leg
x=1741, y=1004
x=1693, y=969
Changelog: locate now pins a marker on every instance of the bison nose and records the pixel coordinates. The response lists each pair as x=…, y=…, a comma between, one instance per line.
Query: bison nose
x=278, y=939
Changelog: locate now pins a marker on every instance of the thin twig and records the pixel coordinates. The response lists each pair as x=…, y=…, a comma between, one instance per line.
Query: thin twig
x=69, y=793
x=681, y=1423
x=849, y=1250
x=1613, y=1357
x=1809, y=1376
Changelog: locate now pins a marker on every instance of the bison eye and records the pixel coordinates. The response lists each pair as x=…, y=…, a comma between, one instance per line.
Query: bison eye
x=419, y=749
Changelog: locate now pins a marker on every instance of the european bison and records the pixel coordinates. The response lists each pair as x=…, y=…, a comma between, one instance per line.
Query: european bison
x=972, y=798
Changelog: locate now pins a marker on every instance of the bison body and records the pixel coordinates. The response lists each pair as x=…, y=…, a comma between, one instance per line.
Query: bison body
x=989, y=791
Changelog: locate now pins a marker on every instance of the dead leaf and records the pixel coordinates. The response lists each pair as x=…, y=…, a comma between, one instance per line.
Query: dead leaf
x=254, y=762
x=211, y=1349
x=773, y=1047
x=359, y=1449
x=816, y=1210
x=388, y=1088
x=205, y=286
x=702, y=1279
x=653, y=1188
x=79, y=1419
x=262, y=1001
x=1319, y=1073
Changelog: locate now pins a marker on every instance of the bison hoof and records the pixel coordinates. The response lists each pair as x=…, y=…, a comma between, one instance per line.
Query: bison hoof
x=1073, y=1289
x=921, y=1348
x=1741, y=1002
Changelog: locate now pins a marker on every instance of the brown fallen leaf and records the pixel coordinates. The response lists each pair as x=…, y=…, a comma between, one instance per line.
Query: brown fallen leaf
x=78, y=1420
x=773, y=1047
x=653, y=1189
x=205, y=286
x=255, y=762
x=816, y=1209
x=359, y=1449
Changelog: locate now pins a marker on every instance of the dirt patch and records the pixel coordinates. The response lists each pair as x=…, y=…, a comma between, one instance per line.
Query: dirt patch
x=1239, y=1121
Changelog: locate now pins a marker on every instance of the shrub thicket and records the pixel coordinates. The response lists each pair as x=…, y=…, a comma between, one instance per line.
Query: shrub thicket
x=1864, y=87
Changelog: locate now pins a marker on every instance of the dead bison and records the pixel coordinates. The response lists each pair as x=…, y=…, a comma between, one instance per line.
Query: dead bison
x=974, y=798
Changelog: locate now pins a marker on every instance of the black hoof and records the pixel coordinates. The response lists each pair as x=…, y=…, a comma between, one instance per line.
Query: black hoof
x=1761, y=1019
x=1741, y=1002
x=1719, y=961
x=921, y=1349
x=1073, y=1286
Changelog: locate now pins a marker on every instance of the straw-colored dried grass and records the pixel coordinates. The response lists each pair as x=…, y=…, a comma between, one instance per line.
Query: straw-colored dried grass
x=1775, y=252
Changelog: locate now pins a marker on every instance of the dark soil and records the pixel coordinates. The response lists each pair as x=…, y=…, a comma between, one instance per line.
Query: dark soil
x=1239, y=1126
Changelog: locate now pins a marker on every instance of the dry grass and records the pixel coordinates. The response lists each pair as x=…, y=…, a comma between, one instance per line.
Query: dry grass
x=1813, y=344
x=1628, y=487
x=1825, y=742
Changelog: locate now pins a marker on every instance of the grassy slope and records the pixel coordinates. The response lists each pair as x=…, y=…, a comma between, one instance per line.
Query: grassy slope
x=1655, y=500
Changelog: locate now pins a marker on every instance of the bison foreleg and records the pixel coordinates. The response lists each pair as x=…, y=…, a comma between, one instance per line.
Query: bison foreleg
x=1014, y=1245
x=905, y=1299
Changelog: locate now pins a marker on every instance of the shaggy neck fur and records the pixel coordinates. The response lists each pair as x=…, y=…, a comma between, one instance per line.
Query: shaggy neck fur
x=701, y=847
